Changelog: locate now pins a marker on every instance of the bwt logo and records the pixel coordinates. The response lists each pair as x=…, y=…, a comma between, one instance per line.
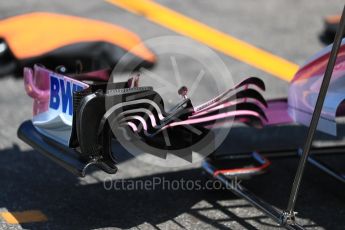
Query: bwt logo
x=61, y=94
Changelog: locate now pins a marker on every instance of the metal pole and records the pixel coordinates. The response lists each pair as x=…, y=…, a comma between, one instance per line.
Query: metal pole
x=289, y=214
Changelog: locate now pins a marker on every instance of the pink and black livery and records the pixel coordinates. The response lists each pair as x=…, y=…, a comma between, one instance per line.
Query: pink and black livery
x=76, y=118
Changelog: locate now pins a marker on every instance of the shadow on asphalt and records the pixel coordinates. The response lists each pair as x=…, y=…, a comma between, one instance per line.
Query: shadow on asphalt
x=30, y=181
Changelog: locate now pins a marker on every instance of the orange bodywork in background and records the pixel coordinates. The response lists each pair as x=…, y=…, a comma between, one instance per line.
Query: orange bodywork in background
x=35, y=34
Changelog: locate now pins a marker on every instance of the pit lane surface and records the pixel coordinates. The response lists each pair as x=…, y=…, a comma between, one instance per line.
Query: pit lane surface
x=48, y=197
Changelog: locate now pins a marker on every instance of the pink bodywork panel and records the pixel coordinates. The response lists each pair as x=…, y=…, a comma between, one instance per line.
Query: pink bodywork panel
x=305, y=86
x=277, y=112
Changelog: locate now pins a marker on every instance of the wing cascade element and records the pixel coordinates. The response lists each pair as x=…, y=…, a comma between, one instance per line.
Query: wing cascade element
x=85, y=112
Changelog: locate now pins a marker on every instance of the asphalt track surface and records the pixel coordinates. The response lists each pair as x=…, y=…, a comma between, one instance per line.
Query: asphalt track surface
x=29, y=181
